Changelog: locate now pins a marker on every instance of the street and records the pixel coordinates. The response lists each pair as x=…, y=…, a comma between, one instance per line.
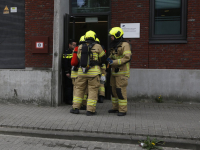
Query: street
x=10, y=142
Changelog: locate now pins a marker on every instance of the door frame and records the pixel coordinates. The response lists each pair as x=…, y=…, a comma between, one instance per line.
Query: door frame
x=66, y=29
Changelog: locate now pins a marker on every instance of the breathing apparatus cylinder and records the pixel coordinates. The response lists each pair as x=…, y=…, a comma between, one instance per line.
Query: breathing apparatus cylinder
x=85, y=60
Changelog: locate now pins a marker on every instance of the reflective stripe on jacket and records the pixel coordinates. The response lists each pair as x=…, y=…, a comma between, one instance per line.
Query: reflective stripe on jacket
x=67, y=56
x=97, y=53
x=103, y=69
x=74, y=74
x=121, y=60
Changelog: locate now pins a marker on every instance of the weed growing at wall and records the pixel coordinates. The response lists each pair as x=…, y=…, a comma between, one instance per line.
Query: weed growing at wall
x=159, y=99
x=151, y=144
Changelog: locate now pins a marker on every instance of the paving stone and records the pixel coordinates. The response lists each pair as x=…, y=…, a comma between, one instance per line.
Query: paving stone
x=165, y=120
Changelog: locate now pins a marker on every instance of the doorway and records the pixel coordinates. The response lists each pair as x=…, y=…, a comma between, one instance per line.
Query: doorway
x=77, y=26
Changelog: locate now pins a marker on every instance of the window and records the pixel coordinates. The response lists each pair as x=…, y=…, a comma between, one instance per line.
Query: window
x=90, y=6
x=168, y=21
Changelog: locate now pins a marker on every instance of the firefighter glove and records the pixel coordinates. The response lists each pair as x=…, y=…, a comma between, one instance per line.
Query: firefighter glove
x=110, y=61
x=103, y=79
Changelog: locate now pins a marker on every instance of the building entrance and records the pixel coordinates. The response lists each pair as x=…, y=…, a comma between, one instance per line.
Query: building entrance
x=77, y=26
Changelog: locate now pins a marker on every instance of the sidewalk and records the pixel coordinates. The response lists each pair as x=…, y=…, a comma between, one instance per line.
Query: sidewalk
x=161, y=120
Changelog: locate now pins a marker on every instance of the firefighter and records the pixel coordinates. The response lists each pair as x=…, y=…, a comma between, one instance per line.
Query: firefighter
x=119, y=59
x=74, y=73
x=90, y=55
x=103, y=73
x=67, y=56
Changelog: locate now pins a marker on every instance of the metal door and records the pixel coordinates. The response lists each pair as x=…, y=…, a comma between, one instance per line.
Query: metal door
x=66, y=37
x=12, y=34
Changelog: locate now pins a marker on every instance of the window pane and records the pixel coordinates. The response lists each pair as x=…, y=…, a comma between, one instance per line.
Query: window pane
x=167, y=17
x=90, y=6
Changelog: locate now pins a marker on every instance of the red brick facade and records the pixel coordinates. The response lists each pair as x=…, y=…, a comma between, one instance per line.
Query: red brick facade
x=38, y=22
x=159, y=56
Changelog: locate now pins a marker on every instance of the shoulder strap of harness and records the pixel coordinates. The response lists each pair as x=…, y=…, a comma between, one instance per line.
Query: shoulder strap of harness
x=91, y=45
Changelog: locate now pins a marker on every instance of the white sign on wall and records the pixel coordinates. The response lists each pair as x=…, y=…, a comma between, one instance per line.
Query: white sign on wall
x=131, y=30
x=39, y=44
x=13, y=9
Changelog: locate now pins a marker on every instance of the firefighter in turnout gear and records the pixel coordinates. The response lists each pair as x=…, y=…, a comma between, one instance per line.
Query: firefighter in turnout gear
x=103, y=74
x=68, y=86
x=75, y=66
x=102, y=87
x=91, y=56
x=119, y=59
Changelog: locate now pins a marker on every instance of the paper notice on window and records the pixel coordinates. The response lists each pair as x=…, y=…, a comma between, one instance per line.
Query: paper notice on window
x=131, y=30
x=13, y=9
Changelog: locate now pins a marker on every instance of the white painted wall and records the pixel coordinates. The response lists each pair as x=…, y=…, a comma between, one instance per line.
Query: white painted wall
x=61, y=7
x=27, y=86
x=35, y=86
x=172, y=84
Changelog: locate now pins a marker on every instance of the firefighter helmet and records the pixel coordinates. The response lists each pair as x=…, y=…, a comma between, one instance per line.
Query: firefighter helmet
x=117, y=32
x=97, y=40
x=82, y=39
x=90, y=35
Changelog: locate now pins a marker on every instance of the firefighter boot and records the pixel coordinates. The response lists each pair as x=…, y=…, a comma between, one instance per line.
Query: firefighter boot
x=74, y=111
x=121, y=114
x=101, y=98
x=89, y=113
x=113, y=111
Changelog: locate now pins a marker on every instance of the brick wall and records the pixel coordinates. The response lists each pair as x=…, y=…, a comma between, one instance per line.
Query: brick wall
x=38, y=22
x=159, y=56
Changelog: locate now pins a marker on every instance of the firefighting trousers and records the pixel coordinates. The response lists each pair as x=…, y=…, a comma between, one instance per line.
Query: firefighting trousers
x=119, y=94
x=102, y=90
x=73, y=82
x=82, y=83
x=84, y=102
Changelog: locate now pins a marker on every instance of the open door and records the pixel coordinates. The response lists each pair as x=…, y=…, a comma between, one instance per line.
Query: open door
x=75, y=27
x=78, y=27
x=66, y=37
x=66, y=31
x=108, y=90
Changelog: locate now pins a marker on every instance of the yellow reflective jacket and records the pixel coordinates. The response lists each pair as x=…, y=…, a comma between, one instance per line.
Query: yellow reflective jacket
x=121, y=60
x=103, y=69
x=97, y=53
x=74, y=74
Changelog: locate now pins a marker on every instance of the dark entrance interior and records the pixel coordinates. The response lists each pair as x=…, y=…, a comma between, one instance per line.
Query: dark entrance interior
x=76, y=26
x=79, y=27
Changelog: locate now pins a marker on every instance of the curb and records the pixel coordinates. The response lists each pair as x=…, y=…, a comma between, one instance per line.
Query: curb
x=99, y=132
x=101, y=137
